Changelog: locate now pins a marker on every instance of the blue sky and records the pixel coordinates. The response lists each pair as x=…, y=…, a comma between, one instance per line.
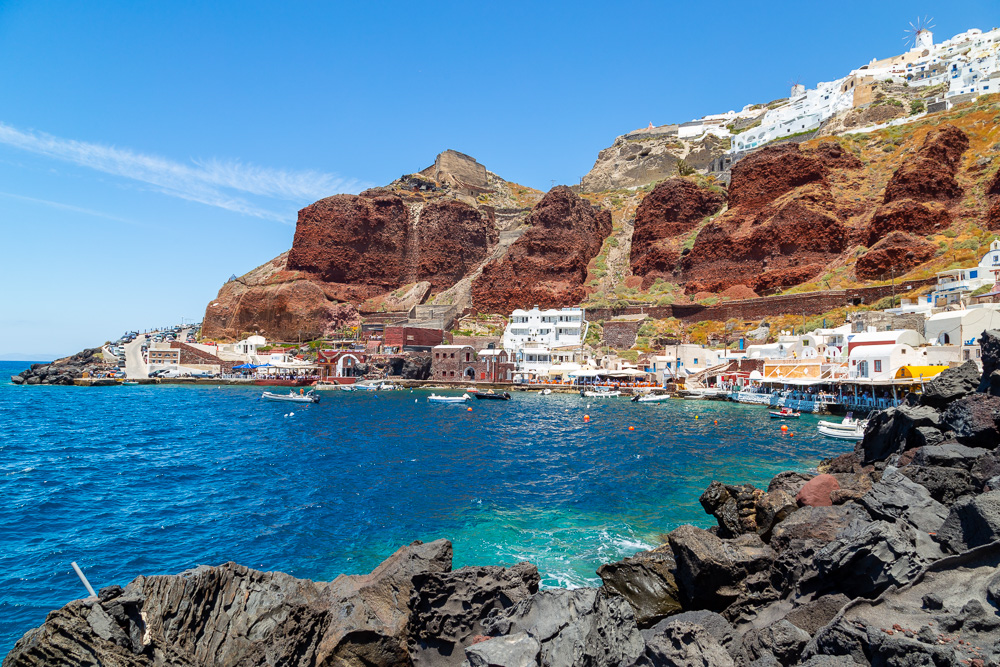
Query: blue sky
x=150, y=150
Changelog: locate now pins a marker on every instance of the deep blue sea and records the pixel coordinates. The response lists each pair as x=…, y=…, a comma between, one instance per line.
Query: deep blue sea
x=158, y=479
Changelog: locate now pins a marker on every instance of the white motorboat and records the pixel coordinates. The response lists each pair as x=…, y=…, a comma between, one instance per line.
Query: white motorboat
x=434, y=398
x=856, y=433
x=346, y=387
x=545, y=392
x=291, y=397
x=651, y=398
x=365, y=386
x=601, y=394
x=849, y=423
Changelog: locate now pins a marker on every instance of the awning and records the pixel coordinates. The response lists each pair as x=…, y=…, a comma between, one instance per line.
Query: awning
x=244, y=367
x=918, y=372
x=587, y=373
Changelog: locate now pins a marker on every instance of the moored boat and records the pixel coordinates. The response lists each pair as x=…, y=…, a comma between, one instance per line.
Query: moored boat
x=434, y=398
x=490, y=395
x=600, y=394
x=291, y=397
x=327, y=386
x=651, y=398
x=841, y=433
x=785, y=413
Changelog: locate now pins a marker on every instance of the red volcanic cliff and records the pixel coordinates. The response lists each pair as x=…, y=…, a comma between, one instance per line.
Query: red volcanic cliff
x=675, y=207
x=548, y=265
x=929, y=175
x=373, y=240
x=782, y=226
x=898, y=252
x=276, y=303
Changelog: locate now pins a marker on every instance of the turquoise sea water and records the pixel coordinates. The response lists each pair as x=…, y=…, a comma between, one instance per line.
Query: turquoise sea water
x=158, y=479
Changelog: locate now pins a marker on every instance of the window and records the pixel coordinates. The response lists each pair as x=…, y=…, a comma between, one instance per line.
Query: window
x=696, y=361
x=878, y=365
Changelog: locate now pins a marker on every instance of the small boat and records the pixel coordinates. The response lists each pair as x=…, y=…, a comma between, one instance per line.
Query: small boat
x=129, y=382
x=434, y=398
x=291, y=397
x=651, y=398
x=785, y=413
x=856, y=433
x=545, y=392
x=365, y=386
x=849, y=423
x=346, y=387
x=490, y=395
x=600, y=394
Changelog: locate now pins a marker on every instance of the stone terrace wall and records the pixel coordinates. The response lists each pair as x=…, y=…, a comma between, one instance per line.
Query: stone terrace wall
x=808, y=303
x=620, y=334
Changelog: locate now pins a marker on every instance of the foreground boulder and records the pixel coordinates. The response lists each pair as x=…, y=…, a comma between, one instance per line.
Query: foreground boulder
x=585, y=626
x=647, y=583
x=972, y=522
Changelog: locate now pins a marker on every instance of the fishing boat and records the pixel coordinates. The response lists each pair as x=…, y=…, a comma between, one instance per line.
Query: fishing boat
x=434, y=398
x=346, y=387
x=291, y=397
x=651, y=398
x=857, y=433
x=785, y=413
x=129, y=382
x=600, y=394
x=366, y=386
x=492, y=396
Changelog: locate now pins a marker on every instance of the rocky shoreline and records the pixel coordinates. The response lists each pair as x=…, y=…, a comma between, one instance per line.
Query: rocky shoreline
x=889, y=555
x=64, y=371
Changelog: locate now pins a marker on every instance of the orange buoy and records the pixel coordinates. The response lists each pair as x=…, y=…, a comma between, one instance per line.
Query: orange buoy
x=791, y=434
x=716, y=421
x=784, y=427
x=469, y=409
x=586, y=418
x=631, y=428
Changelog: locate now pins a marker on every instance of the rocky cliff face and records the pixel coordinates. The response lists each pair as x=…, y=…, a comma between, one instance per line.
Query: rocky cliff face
x=643, y=159
x=672, y=210
x=782, y=226
x=547, y=266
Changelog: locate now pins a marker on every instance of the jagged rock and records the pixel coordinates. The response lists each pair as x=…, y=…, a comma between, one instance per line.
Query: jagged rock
x=815, y=523
x=782, y=640
x=972, y=522
x=829, y=661
x=447, y=608
x=416, y=368
x=989, y=346
x=675, y=207
x=715, y=624
x=950, y=385
x=946, y=485
x=231, y=615
x=845, y=463
x=894, y=497
x=789, y=482
x=900, y=628
x=816, y=492
x=973, y=419
x=894, y=430
x=814, y=614
x=516, y=650
x=985, y=468
x=678, y=643
x=866, y=558
x=579, y=627
x=646, y=581
x=746, y=509
x=897, y=251
x=929, y=174
x=713, y=573
x=948, y=455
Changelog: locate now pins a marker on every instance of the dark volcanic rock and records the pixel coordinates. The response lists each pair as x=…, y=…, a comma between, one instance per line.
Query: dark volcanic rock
x=416, y=368
x=646, y=581
x=679, y=643
x=516, y=650
x=579, y=627
x=814, y=614
x=822, y=524
x=713, y=573
x=715, y=624
x=950, y=385
x=782, y=641
x=943, y=617
x=949, y=455
x=946, y=485
x=447, y=608
x=746, y=509
x=989, y=344
x=972, y=522
x=894, y=497
x=675, y=207
x=973, y=419
x=64, y=371
x=866, y=558
x=894, y=430
x=547, y=266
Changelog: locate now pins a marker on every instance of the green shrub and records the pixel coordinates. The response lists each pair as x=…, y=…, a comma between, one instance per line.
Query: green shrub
x=684, y=169
x=916, y=106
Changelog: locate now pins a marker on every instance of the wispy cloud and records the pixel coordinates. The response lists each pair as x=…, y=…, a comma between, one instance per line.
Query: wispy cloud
x=221, y=183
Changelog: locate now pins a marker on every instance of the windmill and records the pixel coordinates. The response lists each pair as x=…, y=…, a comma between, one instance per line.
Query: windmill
x=919, y=35
x=795, y=85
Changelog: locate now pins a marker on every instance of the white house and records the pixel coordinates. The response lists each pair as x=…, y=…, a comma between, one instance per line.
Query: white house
x=683, y=360
x=872, y=338
x=555, y=327
x=882, y=362
x=248, y=346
